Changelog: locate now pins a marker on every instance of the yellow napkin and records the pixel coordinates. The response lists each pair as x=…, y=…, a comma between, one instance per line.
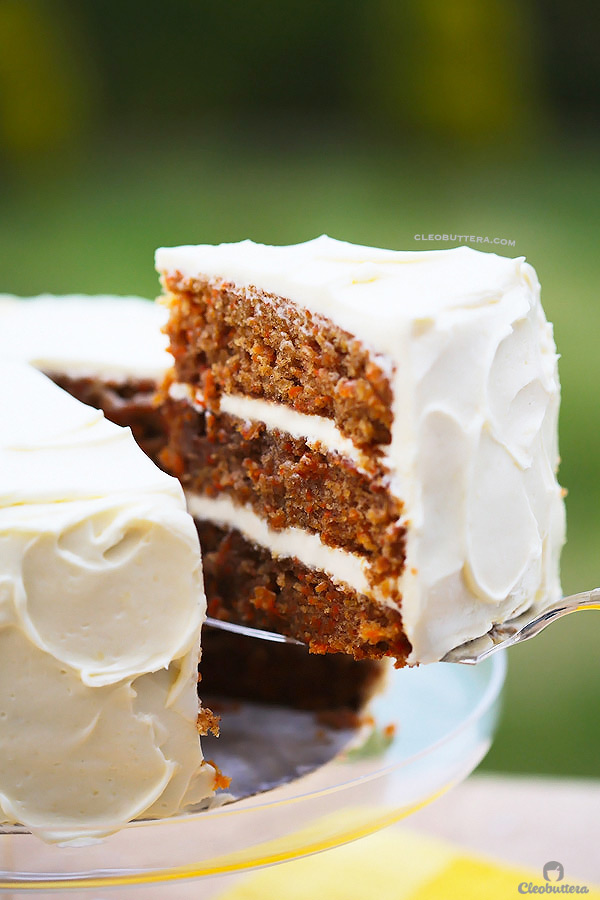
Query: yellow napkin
x=397, y=864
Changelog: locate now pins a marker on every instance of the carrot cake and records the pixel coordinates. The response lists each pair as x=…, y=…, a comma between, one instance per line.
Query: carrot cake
x=101, y=604
x=367, y=440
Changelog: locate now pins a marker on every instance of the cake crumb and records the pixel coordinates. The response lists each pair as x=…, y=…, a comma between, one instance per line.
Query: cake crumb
x=208, y=722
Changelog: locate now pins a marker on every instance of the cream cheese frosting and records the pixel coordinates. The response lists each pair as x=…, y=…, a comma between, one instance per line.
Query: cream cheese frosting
x=101, y=604
x=474, y=452
x=343, y=567
x=318, y=432
x=83, y=336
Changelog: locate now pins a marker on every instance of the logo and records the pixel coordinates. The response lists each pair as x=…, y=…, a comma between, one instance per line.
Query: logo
x=553, y=872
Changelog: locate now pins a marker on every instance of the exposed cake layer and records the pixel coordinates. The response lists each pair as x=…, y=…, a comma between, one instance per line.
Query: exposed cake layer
x=316, y=431
x=235, y=340
x=342, y=567
x=471, y=395
x=288, y=484
x=245, y=582
x=101, y=604
x=285, y=674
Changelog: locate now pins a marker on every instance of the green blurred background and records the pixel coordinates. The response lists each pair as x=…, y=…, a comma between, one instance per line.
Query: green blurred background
x=128, y=125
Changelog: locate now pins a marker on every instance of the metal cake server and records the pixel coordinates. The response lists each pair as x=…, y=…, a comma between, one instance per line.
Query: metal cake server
x=516, y=630
x=249, y=631
x=523, y=627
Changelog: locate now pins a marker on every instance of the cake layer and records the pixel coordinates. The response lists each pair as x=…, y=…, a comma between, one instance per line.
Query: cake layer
x=460, y=408
x=342, y=567
x=245, y=583
x=101, y=604
x=229, y=339
x=316, y=431
x=287, y=483
x=285, y=674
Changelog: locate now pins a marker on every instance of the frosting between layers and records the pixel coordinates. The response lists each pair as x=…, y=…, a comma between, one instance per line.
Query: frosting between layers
x=474, y=450
x=101, y=604
x=80, y=336
x=317, y=431
x=343, y=567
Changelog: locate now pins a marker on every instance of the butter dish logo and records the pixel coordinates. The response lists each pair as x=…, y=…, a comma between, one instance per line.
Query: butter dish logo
x=553, y=872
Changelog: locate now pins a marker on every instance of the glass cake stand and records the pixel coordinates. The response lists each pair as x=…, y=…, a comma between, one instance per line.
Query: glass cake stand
x=303, y=787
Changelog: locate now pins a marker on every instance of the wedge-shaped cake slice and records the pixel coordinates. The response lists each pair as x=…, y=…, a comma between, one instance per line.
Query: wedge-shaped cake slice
x=367, y=439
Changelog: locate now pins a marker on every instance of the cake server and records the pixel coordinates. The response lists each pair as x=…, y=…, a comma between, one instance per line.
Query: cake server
x=521, y=628
x=501, y=636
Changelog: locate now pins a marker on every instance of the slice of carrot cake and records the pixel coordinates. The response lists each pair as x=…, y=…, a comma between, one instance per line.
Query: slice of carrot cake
x=367, y=440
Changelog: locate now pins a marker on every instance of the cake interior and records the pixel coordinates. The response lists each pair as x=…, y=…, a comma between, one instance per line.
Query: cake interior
x=253, y=486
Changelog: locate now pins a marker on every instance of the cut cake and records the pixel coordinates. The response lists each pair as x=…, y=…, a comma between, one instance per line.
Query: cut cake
x=109, y=352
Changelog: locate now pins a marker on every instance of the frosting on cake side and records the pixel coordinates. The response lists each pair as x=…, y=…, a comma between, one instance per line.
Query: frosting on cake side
x=101, y=605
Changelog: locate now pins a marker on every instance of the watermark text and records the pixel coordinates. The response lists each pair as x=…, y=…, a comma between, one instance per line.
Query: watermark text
x=465, y=239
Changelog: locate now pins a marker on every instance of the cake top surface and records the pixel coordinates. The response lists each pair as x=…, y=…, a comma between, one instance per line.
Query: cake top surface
x=80, y=336
x=369, y=291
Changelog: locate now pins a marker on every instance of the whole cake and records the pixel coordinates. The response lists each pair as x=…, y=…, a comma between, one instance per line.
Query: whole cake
x=367, y=440
x=101, y=604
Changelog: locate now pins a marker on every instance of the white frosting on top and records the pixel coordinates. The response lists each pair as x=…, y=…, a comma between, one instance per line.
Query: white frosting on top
x=101, y=605
x=372, y=293
x=476, y=393
x=113, y=337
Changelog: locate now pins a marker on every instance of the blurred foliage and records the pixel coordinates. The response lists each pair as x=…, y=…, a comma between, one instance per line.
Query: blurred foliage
x=45, y=88
x=567, y=43
x=462, y=70
x=478, y=72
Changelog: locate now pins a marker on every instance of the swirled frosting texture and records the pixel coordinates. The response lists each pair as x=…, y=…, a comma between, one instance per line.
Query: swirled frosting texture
x=474, y=454
x=101, y=604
